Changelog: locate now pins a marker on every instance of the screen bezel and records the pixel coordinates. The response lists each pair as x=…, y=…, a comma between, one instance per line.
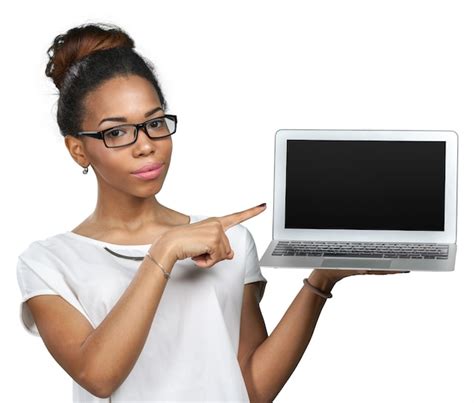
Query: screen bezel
x=449, y=233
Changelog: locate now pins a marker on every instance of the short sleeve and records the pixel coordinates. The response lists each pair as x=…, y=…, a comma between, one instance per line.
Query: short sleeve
x=253, y=272
x=30, y=286
x=37, y=277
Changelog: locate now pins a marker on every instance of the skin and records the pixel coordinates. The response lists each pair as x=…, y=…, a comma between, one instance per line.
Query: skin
x=127, y=212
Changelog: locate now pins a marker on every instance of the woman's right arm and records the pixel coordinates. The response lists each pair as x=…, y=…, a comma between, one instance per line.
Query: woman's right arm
x=100, y=359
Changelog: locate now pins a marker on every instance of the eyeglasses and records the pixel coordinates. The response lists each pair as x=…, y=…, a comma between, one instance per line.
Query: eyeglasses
x=124, y=135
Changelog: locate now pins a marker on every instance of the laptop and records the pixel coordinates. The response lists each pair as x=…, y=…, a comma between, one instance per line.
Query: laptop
x=364, y=199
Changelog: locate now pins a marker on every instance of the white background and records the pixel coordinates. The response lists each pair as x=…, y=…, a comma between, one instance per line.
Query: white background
x=234, y=73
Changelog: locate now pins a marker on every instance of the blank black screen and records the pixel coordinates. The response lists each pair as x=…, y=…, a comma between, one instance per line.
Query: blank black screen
x=365, y=185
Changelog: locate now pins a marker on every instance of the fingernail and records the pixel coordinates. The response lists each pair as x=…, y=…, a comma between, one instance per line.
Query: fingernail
x=261, y=205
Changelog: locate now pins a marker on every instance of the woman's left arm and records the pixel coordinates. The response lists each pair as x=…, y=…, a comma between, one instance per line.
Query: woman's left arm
x=267, y=362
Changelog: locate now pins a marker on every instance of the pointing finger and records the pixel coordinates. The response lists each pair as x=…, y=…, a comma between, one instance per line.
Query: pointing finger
x=230, y=220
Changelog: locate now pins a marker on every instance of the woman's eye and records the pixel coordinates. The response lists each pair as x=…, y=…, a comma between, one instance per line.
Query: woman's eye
x=156, y=123
x=114, y=133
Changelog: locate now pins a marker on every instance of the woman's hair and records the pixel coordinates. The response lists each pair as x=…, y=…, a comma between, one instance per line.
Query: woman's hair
x=84, y=58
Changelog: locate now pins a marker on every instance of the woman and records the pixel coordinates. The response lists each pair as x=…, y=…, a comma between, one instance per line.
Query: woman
x=120, y=301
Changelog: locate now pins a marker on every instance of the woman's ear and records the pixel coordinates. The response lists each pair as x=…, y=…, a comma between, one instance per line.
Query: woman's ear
x=76, y=148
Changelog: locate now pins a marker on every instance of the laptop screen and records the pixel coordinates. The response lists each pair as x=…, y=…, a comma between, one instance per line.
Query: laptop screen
x=365, y=185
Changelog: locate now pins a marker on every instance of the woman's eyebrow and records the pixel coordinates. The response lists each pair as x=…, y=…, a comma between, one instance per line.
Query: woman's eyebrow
x=123, y=119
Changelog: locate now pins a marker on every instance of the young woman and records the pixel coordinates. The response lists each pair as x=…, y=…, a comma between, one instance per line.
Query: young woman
x=140, y=302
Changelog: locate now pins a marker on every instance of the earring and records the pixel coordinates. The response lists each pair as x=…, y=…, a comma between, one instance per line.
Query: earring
x=86, y=169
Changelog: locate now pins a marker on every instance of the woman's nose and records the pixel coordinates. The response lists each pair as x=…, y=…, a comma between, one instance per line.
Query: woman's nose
x=143, y=134
x=143, y=143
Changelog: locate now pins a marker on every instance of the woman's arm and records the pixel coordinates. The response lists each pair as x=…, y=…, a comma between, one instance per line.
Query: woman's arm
x=271, y=364
x=100, y=359
x=112, y=349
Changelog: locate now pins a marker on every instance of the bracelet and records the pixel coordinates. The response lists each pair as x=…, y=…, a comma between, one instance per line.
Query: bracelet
x=167, y=275
x=317, y=290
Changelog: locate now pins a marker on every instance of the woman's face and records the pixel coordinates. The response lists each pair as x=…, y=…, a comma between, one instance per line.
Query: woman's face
x=131, y=98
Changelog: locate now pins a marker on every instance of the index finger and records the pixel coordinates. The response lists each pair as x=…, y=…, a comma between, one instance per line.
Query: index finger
x=230, y=220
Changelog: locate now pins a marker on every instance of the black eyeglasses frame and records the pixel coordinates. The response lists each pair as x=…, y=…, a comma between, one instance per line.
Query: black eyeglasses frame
x=100, y=134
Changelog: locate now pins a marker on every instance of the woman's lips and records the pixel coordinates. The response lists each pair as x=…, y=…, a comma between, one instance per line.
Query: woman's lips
x=149, y=174
x=149, y=166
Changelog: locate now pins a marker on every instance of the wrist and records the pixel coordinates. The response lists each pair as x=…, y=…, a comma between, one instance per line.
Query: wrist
x=163, y=254
x=319, y=280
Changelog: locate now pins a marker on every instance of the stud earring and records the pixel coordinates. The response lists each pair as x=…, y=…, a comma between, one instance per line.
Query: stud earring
x=86, y=169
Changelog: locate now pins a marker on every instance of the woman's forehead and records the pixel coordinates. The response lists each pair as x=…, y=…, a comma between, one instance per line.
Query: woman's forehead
x=127, y=96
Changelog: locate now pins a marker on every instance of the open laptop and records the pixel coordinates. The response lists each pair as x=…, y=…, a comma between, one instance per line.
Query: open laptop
x=364, y=199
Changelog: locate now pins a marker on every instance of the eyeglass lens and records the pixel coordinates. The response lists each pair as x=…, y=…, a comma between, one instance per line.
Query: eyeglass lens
x=125, y=134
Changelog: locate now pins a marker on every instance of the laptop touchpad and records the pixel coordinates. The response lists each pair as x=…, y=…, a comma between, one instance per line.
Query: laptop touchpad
x=363, y=263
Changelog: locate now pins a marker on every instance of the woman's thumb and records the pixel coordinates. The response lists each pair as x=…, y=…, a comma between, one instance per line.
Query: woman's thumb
x=200, y=261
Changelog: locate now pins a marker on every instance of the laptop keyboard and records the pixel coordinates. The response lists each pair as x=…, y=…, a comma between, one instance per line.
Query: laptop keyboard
x=362, y=249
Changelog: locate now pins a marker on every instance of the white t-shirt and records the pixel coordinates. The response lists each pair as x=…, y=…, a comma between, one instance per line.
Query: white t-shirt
x=190, y=353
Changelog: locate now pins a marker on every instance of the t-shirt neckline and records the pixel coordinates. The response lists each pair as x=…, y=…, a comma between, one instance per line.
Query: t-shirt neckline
x=115, y=245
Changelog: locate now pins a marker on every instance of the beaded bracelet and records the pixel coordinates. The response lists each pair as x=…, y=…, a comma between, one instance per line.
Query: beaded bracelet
x=317, y=290
x=167, y=275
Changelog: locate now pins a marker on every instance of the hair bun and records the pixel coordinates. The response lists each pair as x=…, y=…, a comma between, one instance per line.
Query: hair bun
x=79, y=42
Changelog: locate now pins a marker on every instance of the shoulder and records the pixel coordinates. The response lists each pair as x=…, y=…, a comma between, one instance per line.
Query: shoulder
x=38, y=267
x=47, y=252
x=38, y=247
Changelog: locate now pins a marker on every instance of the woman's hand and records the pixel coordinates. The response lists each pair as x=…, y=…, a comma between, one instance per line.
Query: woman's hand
x=327, y=278
x=204, y=241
